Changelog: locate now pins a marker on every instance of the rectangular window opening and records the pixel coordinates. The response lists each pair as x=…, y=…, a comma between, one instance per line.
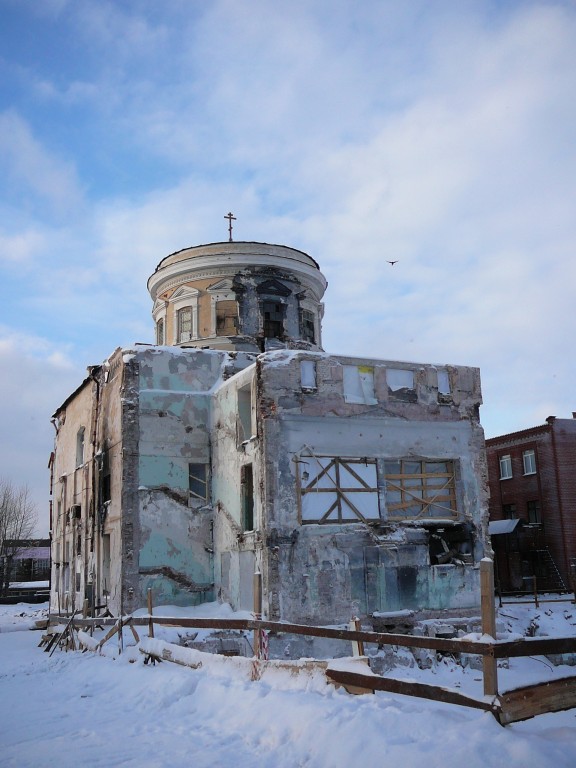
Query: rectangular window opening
x=443, y=383
x=198, y=481
x=247, y=487
x=533, y=510
x=359, y=384
x=509, y=511
x=226, y=318
x=273, y=319
x=160, y=332
x=244, y=414
x=529, y=459
x=337, y=490
x=308, y=374
x=308, y=326
x=420, y=489
x=398, y=378
x=184, y=324
x=505, y=467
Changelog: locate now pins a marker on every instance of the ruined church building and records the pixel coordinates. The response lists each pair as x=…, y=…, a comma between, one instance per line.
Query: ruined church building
x=235, y=444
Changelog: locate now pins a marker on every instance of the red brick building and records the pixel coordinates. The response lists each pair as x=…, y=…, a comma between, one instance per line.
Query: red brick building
x=532, y=479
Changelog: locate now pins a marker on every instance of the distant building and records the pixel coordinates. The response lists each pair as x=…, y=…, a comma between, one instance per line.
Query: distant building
x=236, y=445
x=532, y=476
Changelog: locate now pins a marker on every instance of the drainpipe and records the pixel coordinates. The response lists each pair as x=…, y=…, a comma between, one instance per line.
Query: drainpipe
x=550, y=421
x=96, y=551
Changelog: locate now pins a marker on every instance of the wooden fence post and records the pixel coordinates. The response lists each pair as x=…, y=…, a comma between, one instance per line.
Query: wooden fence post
x=357, y=645
x=257, y=610
x=150, y=620
x=489, y=663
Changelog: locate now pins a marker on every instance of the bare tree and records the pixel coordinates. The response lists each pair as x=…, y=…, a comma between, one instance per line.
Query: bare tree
x=18, y=516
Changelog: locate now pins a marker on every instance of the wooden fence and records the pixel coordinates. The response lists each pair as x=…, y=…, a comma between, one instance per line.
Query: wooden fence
x=508, y=707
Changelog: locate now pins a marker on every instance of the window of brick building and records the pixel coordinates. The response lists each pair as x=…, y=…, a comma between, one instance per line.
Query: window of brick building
x=509, y=511
x=533, y=509
x=505, y=467
x=529, y=459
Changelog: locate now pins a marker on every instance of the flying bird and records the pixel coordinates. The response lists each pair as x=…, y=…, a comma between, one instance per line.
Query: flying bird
x=393, y=262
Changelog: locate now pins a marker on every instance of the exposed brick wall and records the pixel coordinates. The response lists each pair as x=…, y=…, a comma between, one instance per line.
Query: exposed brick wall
x=553, y=486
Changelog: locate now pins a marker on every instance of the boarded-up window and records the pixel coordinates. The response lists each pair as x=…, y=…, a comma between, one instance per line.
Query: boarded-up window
x=226, y=318
x=443, y=383
x=308, y=374
x=420, y=489
x=334, y=490
x=398, y=378
x=359, y=384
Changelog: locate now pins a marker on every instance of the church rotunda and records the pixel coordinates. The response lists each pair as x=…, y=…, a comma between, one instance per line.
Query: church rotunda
x=243, y=296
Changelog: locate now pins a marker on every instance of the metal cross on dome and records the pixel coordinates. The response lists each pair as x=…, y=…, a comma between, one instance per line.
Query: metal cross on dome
x=230, y=218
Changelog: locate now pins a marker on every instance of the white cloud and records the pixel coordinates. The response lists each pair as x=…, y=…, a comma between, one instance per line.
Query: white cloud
x=36, y=378
x=31, y=170
x=358, y=133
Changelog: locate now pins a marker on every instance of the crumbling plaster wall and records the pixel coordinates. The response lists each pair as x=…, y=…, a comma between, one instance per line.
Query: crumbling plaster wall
x=235, y=445
x=72, y=487
x=173, y=529
x=326, y=573
x=116, y=407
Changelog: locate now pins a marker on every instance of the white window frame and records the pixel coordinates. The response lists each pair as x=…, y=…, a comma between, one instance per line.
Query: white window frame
x=182, y=299
x=529, y=461
x=505, y=463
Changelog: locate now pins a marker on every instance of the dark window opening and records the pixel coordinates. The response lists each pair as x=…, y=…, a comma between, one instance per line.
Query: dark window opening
x=105, y=479
x=273, y=317
x=509, y=511
x=533, y=509
x=247, y=485
x=453, y=545
x=308, y=328
x=198, y=481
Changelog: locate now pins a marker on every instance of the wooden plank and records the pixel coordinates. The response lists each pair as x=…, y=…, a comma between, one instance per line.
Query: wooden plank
x=532, y=700
x=489, y=664
x=408, y=688
x=534, y=646
x=530, y=646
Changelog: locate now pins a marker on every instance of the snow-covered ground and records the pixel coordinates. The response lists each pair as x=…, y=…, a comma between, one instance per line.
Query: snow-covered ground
x=69, y=709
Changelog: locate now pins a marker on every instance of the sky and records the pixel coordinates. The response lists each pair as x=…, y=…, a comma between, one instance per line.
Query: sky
x=438, y=135
x=68, y=708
